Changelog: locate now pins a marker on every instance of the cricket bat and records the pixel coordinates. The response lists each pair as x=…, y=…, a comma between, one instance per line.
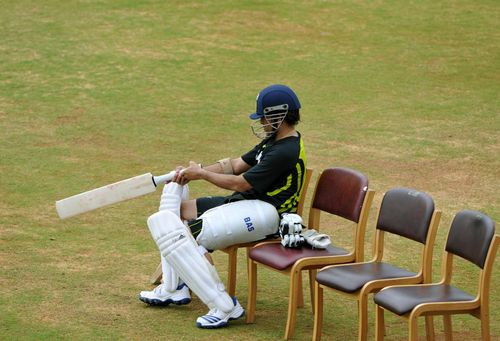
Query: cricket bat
x=110, y=194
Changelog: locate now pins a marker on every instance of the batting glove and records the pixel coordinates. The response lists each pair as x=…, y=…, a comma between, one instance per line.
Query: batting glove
x=290, y=228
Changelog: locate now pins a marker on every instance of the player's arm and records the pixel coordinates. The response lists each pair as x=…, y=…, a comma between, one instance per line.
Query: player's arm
x=231, y=182
x=239, y=166
x=223, y=166
x=228, y=166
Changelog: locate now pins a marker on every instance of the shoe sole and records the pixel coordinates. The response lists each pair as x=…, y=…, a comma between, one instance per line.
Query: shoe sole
x=221, y=324
x=160, y=303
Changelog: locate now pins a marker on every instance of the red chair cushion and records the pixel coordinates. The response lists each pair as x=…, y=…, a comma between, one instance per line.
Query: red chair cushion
x=280, y=258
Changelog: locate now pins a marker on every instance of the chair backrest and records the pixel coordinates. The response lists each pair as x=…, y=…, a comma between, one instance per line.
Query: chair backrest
x=303, y=194
x=410, y=214
x=470, y=236
x=406, y=212
x=341, y=191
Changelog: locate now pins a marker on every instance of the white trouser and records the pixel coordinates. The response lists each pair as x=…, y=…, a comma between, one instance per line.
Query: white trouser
x=237, y=222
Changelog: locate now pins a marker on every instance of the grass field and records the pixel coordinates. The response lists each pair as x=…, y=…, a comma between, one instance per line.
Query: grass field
x=92, y=92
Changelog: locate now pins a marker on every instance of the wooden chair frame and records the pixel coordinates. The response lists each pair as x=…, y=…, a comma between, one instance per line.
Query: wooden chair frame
x=424, y=275
x=232, y=251
x=309, y=263
x=478, y=308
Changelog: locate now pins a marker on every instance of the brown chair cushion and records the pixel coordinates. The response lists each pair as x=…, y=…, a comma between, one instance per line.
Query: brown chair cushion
x=280, y=258
x=470, y=236
x=401, y=300
x=351, y=278
x=406, y=212
x=341, y=191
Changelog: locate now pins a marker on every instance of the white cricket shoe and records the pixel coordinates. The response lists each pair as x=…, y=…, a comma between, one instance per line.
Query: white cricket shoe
x=160, y=296
x=216, y=318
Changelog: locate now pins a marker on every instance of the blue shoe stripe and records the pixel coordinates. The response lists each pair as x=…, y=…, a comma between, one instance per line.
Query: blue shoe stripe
x=207, y=318
x=180, y=286
x=211, y=319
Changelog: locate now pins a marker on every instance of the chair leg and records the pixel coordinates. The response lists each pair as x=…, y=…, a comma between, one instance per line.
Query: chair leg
x=295, y=279
x=379, y=323
x=231, y=270
x=448, y=330
x=312, y=280
x=252, y=291
x=363, y=317
x=485, y=324
x=300, y=291
x=413, y=328
x=429, y=328
x=157, y=275
x=318, y=311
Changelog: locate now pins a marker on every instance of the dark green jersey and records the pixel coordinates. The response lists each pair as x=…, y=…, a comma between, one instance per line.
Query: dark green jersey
x=277, y=172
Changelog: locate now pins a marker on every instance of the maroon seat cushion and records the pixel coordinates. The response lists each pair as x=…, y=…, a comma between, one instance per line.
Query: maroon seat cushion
x=401, y=300
x=280, y=258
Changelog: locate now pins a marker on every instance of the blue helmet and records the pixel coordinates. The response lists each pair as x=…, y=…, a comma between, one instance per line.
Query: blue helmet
x=275, y=97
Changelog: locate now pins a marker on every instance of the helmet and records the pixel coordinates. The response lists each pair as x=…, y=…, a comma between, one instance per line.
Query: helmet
x=273, y=103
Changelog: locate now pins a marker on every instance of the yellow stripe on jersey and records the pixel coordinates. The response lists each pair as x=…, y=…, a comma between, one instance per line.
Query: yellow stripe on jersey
x=291, y=204
x=279, y=190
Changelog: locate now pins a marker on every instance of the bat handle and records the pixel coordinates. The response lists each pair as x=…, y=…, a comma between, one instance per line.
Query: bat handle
x=163, y=178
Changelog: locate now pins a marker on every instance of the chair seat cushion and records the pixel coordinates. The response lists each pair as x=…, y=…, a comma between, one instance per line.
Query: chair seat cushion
x=351, y=278
x=401, y=300
x=281, y=258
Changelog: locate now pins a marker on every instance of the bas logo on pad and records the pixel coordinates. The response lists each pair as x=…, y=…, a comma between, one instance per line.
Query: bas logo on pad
x=249, y=224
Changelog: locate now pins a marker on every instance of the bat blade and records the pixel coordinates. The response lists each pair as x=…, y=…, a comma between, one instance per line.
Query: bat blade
x=105, y=195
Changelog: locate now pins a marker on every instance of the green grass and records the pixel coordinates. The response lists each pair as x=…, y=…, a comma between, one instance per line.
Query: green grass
x=96, y=91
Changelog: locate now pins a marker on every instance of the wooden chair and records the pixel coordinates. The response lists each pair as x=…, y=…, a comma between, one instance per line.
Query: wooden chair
x=340, y=192
x=232, y=251
x=471, y=237
x=404, y=212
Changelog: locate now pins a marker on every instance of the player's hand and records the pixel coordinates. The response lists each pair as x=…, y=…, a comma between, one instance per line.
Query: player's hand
x=192, y=172
x=290, y=228
x=178, y=177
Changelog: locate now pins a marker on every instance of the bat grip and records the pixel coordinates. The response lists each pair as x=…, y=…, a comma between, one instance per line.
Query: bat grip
x=163, y=178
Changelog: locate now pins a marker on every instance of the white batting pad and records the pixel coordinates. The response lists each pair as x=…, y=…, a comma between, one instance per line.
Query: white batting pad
x=237, y=222
x=185, y=192
x=170, y=278
x=180, y=250
x=171, y=197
